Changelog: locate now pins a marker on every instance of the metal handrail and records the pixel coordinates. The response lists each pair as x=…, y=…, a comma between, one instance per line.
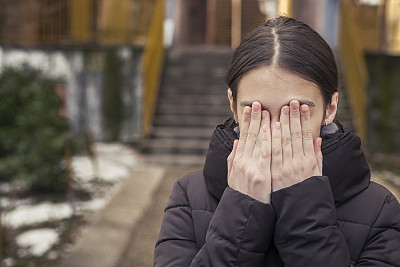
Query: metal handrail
x=153, y=59
x=354, y=67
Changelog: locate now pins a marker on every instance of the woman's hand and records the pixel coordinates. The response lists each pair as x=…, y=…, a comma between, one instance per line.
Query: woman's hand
x=287, y=156
x=295, y=155
x=250, y=160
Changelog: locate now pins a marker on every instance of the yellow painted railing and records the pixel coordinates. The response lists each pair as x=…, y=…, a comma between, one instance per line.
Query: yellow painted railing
x=152, y=65
x=285, y=7
x=81, y=19
x=119, y=20
x=392, y=16
x=354, y=67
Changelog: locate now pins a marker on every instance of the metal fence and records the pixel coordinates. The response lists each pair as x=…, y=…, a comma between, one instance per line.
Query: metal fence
x=50, y=22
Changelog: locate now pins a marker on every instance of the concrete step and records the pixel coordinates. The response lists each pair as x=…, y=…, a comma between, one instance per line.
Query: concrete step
x=196, y=70
x=191, y=102
x=183, y=132
x=188, y=120
x=193, y=109
x=199, y=99
x=186, y=87
x=202, y=53
x=175, y=146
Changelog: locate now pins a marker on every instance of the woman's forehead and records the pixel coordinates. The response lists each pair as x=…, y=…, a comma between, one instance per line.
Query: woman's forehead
x=275, y=87
x=248, y=103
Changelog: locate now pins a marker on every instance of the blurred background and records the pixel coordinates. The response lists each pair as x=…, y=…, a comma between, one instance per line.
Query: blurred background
x=105, y=102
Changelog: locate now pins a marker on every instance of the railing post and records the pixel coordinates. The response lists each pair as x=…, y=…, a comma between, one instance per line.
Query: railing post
x=236, y=23
x=354, y=67
x=81, y=18
x=285, y=7
x=152, y=63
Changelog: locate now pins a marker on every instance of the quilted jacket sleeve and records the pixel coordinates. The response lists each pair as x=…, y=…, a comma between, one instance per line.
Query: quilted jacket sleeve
x=383, y=244
x=239, y=233
x=306, y=231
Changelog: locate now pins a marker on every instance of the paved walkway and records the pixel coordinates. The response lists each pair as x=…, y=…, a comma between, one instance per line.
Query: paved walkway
x=124, y=233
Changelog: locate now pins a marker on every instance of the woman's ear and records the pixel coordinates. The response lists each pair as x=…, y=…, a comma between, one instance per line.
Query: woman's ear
x=331, y=109
x=232, y=104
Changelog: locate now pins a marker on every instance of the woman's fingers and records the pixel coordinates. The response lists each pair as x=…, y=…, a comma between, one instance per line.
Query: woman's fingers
x=276, y=149
x=264, y=159
x=244, y=128
x=253, y=130
x=231, y=156
x=318, y=153
x=295, y=128
x=244, y=174
x=286, y=136
x=308, y=144
x=257, y=147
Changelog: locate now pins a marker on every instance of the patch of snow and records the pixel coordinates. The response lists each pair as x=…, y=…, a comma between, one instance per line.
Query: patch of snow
x=35, y=214
x=8, y=262
x=5, y=187
x=8, y=187
x=102, y=181
x=7, y=203
x=54, y=64
x=92, y=205
x=113, y=163
x=83, y=169
x=37, y=242
x=99, y=200
x=107, y=170
x=117, y=153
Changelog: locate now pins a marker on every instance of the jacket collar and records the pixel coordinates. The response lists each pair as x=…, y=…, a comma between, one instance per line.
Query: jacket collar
x=344, y=162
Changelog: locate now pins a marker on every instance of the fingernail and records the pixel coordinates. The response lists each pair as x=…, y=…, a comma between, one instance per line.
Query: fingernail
x=294, y=105
x=286, y=110
x=255, y=107
x=246, y=111
x=304, y=109
x=277, y=125
x=264, y=114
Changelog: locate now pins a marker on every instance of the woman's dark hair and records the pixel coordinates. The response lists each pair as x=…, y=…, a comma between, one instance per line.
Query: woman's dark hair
x=290, y=45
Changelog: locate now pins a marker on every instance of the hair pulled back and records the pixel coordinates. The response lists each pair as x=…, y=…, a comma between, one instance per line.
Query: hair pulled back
x=289, y=45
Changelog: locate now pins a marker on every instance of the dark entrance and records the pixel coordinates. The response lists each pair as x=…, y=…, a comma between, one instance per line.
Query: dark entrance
x=191, y=22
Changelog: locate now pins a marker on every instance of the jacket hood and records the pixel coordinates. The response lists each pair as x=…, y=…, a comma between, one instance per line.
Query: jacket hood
x=344, y=161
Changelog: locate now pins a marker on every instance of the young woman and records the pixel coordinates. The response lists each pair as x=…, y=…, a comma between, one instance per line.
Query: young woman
x=294, y=189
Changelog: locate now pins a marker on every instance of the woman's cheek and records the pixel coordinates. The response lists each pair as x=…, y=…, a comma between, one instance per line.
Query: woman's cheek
x=316, y=125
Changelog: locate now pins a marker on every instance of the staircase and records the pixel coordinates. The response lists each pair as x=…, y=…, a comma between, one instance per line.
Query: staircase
x=192, y=101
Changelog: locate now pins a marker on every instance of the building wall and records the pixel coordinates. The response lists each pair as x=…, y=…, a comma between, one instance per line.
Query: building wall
x=12, y=31
x=251, y=16
x=190, y=22
x=209, y=21
x=379, y=27
x=219, y=26
x=220, y=15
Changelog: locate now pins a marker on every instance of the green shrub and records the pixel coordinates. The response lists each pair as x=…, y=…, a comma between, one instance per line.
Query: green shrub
x=32, y=135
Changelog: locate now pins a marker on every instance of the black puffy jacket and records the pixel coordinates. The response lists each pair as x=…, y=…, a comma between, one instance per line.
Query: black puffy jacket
x=339, y=219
